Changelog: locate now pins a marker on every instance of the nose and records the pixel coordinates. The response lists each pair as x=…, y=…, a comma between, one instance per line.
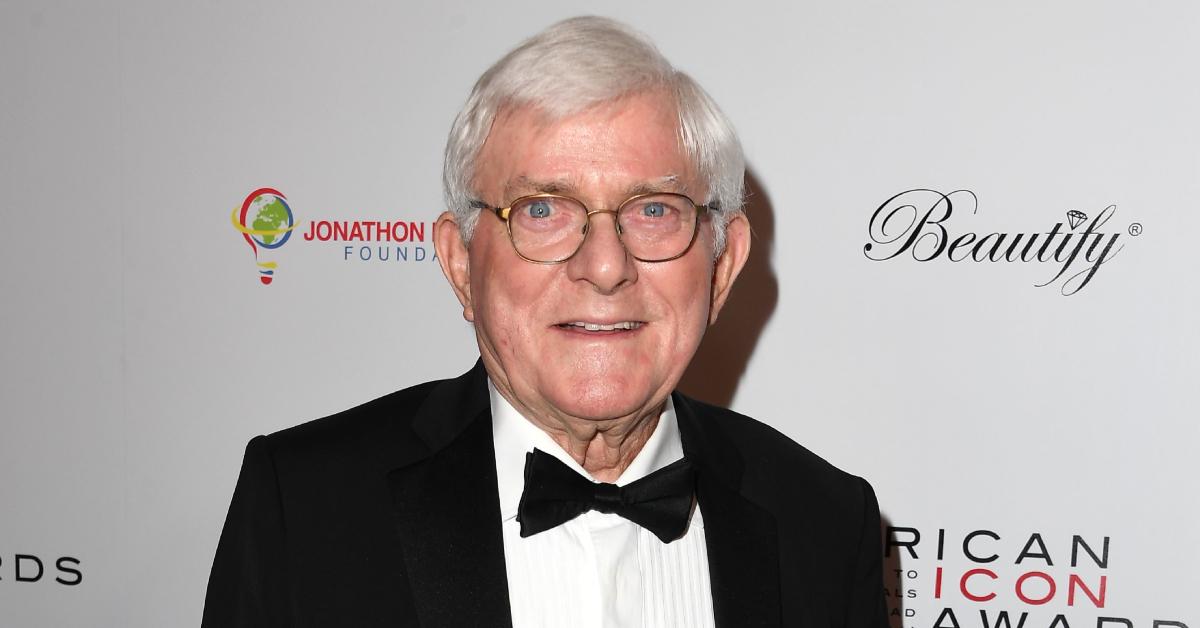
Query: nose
x=602, y=260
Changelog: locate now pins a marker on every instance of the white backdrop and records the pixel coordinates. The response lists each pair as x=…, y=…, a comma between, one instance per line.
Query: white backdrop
x=140, y=351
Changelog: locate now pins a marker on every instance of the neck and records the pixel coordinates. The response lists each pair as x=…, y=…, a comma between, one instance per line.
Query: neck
x=604, y=447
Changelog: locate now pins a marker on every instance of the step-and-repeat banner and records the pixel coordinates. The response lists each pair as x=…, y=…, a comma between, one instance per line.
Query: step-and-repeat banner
x=973, y=278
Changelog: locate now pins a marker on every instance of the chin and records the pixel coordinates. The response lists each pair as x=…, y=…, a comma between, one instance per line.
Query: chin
x=604, y=399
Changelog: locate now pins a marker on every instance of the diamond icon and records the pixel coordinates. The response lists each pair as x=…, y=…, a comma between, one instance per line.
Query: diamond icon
x=1076, y=217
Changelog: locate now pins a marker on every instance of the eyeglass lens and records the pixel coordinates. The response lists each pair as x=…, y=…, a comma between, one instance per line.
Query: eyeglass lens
x=652, y=228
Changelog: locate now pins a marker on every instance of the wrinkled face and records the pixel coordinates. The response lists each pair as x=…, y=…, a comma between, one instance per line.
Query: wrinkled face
x=602, y=335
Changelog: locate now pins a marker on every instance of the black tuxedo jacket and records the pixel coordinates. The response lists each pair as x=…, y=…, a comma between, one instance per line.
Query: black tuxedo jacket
x=388, y=515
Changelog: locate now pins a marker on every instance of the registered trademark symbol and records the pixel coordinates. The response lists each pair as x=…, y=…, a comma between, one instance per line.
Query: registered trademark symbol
x=1135, y=229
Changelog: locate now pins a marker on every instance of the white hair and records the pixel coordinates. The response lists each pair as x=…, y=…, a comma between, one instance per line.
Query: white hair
x=577, y=64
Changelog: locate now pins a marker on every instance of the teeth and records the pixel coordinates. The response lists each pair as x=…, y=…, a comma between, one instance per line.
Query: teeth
x=625, y=325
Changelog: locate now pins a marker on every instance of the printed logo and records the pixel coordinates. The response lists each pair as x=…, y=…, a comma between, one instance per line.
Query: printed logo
x=64, y=570
x=919, y=223
x=373, y=240
x=958, y=578
x=266, y=222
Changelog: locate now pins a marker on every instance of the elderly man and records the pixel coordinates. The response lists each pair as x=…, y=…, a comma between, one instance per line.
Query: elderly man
x=595, y=232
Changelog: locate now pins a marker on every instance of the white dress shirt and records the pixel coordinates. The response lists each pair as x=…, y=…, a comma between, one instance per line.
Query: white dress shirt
x=597, y=570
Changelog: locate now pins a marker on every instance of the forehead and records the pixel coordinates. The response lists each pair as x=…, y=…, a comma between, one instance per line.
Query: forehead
x=630, y=145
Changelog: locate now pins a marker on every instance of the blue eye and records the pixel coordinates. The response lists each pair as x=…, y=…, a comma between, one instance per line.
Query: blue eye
x=654, y=210
x=540, y=209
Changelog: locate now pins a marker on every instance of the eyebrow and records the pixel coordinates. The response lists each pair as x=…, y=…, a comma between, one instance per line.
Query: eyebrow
x=524, y=186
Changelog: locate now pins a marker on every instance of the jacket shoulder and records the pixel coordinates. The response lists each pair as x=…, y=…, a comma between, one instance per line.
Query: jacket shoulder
x=779, y=471
x=827, y=521
x=378, y=432
x=396, y=408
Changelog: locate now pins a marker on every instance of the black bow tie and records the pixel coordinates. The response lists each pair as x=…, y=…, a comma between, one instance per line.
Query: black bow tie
x=555, y=494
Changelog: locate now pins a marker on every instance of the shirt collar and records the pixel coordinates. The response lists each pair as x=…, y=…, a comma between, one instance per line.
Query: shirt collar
x=514, y=436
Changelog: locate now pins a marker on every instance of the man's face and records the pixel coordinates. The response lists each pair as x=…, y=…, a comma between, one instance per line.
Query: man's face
x=524, y=313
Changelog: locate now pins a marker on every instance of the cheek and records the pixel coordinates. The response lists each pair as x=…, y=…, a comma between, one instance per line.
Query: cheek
x=494, y=313
x=686, y=295
x=692, y=328
x=689, y=291
x=505, y=303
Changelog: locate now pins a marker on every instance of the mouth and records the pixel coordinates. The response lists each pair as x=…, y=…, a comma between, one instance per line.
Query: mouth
x=591, y=327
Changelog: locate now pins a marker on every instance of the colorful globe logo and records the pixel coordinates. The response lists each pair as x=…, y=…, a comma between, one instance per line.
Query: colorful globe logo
x=266, y=222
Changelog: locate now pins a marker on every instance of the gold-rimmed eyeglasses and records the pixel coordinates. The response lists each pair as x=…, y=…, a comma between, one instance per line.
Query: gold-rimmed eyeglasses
x=550, y=228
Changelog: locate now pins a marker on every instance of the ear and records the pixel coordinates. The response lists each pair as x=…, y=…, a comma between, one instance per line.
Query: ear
x=454, y=259
x=729, y=265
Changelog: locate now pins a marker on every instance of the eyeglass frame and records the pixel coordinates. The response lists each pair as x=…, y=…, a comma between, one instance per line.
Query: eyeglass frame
x=503, y=214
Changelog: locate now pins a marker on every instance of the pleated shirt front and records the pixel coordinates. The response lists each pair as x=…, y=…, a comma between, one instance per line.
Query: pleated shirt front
x=597, y=570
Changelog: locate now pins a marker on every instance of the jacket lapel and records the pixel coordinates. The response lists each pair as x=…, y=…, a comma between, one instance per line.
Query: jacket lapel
x=448, y=512
x=741, y=537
